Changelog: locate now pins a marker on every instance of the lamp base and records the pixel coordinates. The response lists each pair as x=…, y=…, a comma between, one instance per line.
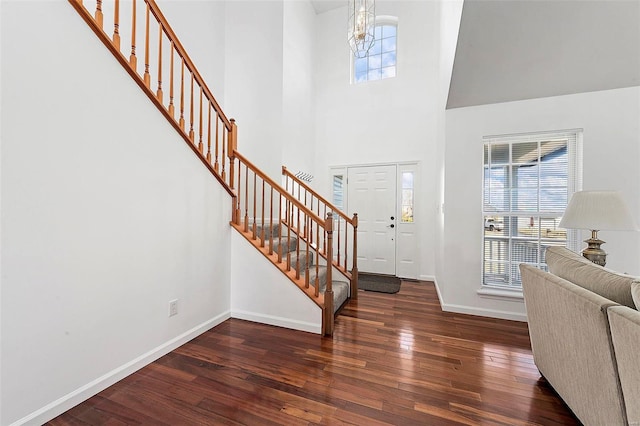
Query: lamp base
x=593, y=252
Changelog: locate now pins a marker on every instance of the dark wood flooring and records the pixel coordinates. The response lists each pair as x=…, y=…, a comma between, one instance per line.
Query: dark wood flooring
x=394, y=359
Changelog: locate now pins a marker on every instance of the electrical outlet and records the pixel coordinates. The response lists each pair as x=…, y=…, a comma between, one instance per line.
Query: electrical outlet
x=173, y=307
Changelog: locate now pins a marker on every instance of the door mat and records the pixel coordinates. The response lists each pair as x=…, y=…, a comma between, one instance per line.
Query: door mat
x=379, y=283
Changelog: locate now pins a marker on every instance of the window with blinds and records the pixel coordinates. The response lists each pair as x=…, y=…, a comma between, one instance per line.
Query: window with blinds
x=338, y=192
x=527, y=183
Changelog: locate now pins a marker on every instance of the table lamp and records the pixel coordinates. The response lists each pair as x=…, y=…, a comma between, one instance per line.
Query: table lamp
x=595, y=211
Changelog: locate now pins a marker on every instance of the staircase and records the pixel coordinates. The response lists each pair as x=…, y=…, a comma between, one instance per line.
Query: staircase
x=303, y=235
x=298, y=260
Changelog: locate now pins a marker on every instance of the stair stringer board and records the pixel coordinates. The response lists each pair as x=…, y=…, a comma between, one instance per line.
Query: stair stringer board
x=261, y=293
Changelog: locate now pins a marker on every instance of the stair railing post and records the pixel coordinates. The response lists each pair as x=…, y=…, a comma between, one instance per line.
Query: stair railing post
x=231, y=152
x=328, y=293
x=354, y=269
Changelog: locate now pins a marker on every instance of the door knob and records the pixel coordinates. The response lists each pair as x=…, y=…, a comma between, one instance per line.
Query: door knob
x=392, y=225
x=392, y=218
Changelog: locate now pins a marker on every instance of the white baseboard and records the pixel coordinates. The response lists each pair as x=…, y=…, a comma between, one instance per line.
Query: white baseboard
x=435, y=281
x=427, y=278
x=491, y=313
x=85, y=392
x=278, y=321
x=481, y=312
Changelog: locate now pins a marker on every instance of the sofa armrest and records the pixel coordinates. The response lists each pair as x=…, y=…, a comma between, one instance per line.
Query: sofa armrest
x=625, y=333
x=571, y=345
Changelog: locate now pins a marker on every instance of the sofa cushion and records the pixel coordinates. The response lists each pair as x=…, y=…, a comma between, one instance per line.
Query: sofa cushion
x=625, y=335
x=635, y=293
x=573, y=267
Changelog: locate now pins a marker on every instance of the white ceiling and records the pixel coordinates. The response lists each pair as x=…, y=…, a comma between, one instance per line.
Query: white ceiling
x=322, y=6
x=514, y=50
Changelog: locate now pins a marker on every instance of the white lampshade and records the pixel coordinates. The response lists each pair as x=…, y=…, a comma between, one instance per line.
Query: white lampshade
x=598, y=210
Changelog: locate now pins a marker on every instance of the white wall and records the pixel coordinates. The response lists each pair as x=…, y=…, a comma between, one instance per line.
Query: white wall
x=107, y=215
x=253, y=79
x=387, y=121
x=449, y=25
x=611, y=154
x=298, y=86
x=264, y=294
x=269, y=81
x=201, y=29
x=1, y=249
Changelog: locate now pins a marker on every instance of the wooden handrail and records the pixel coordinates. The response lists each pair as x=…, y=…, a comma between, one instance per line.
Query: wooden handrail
x=280, y=189
x=333, y=208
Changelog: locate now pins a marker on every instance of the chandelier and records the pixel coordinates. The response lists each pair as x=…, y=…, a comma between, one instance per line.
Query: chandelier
x=362, y=22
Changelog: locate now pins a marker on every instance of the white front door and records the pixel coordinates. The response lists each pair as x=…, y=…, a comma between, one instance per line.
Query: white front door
x=372, y=194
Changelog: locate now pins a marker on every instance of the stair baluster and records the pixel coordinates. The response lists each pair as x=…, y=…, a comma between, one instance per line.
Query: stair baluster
x=171, y=107
x=147, y=77
x=159, y=93
x=133, y=60
x=99, y=15
x=345, y=261
x=116, y=24
x=191, y=132
x=200, y=144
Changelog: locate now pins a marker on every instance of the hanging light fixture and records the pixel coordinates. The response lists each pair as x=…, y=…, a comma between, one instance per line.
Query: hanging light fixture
x=362, y=23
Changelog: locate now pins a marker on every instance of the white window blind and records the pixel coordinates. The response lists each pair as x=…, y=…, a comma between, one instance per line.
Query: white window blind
x=527, y=183
x=338, y=192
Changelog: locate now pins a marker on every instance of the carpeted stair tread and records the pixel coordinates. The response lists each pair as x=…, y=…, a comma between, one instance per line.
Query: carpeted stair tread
x=341, y=289
x=302, y=261
x=269, y=230
x=288, y=244
x=340, y=294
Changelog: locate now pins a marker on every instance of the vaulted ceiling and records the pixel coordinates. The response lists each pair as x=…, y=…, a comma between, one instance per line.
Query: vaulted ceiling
x=322, y=6
x=514, y=50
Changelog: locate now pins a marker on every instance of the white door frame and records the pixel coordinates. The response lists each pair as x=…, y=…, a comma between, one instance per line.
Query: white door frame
x=407, y=247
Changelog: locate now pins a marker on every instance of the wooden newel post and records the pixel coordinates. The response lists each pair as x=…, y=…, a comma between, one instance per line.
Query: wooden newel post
x=231, y=152
x=328, y=293
x=354, y=269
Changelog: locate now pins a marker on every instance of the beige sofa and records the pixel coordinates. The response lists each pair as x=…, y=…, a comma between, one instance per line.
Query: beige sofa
x=585, y=336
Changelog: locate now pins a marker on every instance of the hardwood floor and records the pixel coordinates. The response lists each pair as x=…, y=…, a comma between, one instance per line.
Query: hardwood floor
x=394, y=359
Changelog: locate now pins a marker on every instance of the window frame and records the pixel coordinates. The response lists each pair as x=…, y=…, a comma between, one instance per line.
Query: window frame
x=513, y=289
x=402, y=201
x=338, y=197
x=381, y=20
